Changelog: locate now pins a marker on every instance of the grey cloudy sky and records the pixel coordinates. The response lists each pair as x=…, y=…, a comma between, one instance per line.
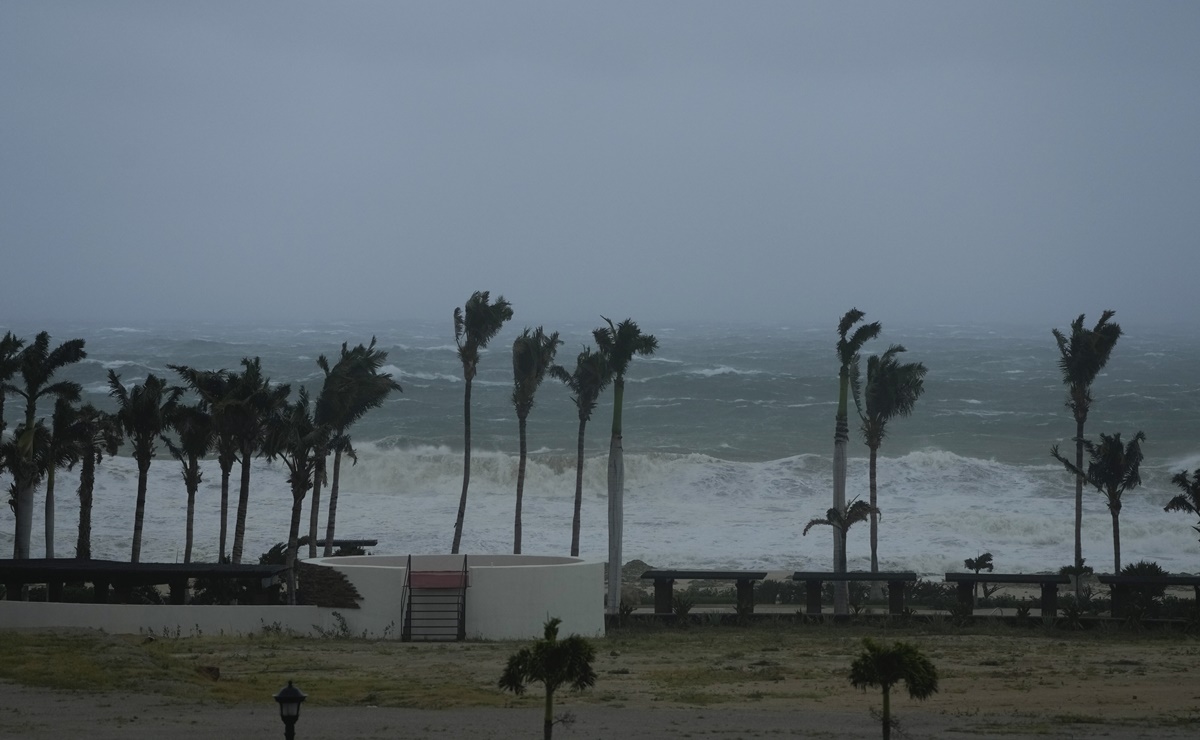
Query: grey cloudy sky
x=944, y=161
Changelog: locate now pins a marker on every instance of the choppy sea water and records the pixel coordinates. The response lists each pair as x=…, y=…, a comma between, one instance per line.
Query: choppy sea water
x=728, y=440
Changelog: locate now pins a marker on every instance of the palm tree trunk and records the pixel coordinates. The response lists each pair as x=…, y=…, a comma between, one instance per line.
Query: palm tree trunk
x=239, y=527
x=616, y=502
x=548, y=719
x=887, y=713
x=575, y=520
x=193, y=482
x=139, y=511
x=520, y=485
x=226, y=470
x=50, y=512
x=294, y=543
x=87, y=483
x=841, y=594
x=24, y=520
x=314, y=516
x=1116, y=517
x=462, y=502
x=874, y=514
x=331, y=521
x=1079, y=509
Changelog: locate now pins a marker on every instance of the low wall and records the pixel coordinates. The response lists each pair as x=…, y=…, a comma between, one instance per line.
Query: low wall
x=510, y=596
x=132, y=619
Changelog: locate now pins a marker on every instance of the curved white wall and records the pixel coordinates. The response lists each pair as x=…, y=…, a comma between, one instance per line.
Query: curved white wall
x=510, y=596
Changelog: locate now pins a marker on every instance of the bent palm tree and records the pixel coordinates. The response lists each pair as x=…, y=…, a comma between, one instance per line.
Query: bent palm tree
x=618, y=344
x=885, y=667
x=892, y=390
x=587, y=382
x=99, y=433
x=533, y=354
x=841, y=520
x=1113, y=468
x=195, y=429
x=25, y=456
x=145, y=412
x=64, y=451
x=38, y=365
x=293, y=436
x=353, y=386
x=1189, y=500
x=1082, y=355
x=553, y=663
x=475, y=325
x=848, y=349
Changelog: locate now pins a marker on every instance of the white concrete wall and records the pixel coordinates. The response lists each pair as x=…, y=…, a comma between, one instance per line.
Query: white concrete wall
x=132, y=619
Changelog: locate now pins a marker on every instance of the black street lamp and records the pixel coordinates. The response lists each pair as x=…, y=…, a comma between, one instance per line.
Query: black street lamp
x=290, y=698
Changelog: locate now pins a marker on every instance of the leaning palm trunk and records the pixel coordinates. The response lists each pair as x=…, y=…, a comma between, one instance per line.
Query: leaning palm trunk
x=616, y=501
x=523, y=452
x=876, y=586
x=294, y=542
x=575, y=519
x=87, y=484
x=331, y=524
x=139, y=511
x=841, y=600
x=239, y=527
x=462, y=502
x=50, y=512
x=314, y=516
x=1116, y=519
x=1079, y=509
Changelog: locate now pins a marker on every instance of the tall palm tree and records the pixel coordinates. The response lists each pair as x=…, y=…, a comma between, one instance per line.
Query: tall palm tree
x=841, y=520
x=353, y=386
x=194, y=426
x=1082, y=355
x=884, y=667
x=475, y=324
x=251, y=401
x=10, y=363
x=618, y=344
x=64, y=451
x=587, y=382
x=892, y=390
x=25, y=456
x=215, y=389
x=144, y=412
x=293, y=436
x=553, y=663
x=1113, y=468
x=533, y=354
x=99, y=433
x=1189, y=500
x=848, y=349
x=38, y=365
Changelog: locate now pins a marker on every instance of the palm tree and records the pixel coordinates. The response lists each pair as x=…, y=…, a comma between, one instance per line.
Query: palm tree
x=63, y=452
x=848, y=349
x=892, y=390
x=884, y=667
x=553, y=663
x=10, y=363
x=293, y=436
x=194, y=426
x=144, y=412
x=587, y=382
x=841, y=520
x=353, y=386
x=475, y=325
x=38, y=365
x=533, y=354
x=976, y=564
x=216, y=395
x=1113, y=468
x=1082, y=355
x=1189, y=500
x=99, y=433
x=251, y=401
x=25, y=456
x=618, y=344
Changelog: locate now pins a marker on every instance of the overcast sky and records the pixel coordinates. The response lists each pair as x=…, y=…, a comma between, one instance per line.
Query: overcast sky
x=762, y=161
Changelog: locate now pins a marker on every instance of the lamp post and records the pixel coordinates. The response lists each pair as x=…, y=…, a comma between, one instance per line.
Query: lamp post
x=290, y=698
